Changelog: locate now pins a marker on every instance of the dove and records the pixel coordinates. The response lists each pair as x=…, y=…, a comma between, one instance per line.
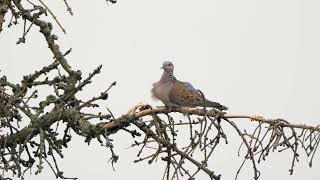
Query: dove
x=175, y=93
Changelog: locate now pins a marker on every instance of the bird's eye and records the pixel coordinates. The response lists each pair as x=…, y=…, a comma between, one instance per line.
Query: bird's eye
x=169, y=64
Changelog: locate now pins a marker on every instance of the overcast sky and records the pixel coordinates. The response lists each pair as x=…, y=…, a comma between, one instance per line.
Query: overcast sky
x=256, y=57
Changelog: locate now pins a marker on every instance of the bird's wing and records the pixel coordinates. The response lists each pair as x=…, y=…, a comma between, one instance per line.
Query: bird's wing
x=184, y=94
x=191, y=88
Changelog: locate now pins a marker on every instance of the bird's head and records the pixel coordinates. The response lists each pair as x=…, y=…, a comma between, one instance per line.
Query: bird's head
x=167, y=66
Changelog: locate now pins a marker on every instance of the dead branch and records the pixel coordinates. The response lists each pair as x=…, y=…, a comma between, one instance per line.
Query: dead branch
x=278, y=134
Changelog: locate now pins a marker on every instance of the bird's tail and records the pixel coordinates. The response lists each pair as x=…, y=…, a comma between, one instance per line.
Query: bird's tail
x=215, y=105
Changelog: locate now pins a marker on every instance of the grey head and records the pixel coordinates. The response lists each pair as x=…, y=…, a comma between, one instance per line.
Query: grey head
x=167, y=74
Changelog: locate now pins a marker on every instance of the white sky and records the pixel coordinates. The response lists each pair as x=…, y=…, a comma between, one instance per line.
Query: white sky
x=256, y=57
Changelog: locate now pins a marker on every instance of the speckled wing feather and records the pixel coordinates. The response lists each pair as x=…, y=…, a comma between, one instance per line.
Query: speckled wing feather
x=183, y=94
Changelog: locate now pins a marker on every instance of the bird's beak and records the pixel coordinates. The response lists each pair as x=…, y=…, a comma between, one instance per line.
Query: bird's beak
x=162, y=67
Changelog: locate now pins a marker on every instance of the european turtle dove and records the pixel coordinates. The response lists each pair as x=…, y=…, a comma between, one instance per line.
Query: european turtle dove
x=174, y=93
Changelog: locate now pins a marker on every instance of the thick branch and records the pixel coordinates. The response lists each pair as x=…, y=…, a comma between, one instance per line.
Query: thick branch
x=210, y=113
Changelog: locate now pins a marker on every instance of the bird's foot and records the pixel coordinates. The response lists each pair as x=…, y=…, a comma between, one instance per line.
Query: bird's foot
x=169, y=108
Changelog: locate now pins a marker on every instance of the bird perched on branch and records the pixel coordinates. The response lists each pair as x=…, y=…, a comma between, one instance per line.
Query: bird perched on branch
x=174, y=93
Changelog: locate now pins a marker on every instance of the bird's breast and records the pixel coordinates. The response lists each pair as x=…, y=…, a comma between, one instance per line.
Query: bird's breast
x=161, y=91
